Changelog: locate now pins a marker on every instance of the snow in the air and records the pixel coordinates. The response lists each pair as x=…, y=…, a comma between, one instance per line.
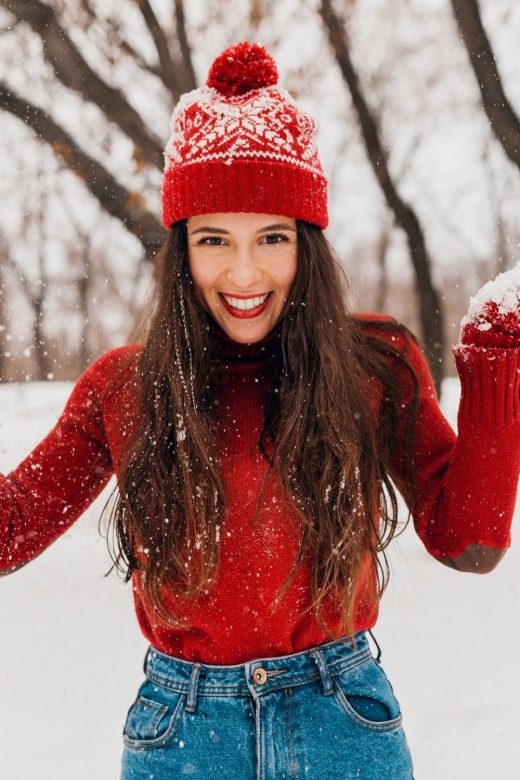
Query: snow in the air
x=71, y=652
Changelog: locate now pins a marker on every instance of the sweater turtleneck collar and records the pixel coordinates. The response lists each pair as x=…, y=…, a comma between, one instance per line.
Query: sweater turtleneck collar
x=230, y=351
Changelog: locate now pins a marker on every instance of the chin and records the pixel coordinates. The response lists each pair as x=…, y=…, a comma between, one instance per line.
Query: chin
x=247, y=336
x=246, y=339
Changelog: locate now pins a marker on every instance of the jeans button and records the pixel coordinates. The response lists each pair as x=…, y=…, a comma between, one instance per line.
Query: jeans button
x=260, y=675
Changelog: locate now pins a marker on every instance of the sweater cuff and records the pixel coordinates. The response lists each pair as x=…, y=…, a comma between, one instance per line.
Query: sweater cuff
x=490, y=383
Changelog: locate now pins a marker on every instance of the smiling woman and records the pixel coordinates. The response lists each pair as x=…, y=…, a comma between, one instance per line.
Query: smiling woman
x=243, y=267
x=259, y=432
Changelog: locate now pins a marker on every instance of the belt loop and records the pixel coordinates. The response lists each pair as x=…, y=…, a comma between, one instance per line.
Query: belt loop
x=145, y=662
x=379, y=653
x=324, y=671
x=191, y=701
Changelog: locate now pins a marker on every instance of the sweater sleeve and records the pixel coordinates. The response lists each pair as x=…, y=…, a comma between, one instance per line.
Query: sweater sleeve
x=58, y=480
x=466, y=483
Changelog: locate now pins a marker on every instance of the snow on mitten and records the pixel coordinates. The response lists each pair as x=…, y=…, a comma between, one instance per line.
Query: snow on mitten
x=493, y=318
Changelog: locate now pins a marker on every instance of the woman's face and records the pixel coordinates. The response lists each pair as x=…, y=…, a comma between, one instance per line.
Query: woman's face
x=236, y=260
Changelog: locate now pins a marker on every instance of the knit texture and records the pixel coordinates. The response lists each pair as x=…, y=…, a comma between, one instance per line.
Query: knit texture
x=241, y=144
x=493, y=317
x=467, y=492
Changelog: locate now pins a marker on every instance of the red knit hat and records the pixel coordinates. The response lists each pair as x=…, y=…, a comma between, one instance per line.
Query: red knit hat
x=240, y=143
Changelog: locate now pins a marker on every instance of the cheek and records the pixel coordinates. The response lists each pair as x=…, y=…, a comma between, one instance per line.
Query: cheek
x=202, y=278
x=288, y=275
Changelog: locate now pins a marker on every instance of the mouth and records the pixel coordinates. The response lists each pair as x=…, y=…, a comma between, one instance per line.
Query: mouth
x=245, y=307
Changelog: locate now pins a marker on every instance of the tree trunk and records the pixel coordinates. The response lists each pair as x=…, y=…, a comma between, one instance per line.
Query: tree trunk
x=115, y=199
x=75, y=73
x=430, y=314
x=504, y=121
x=40, y=349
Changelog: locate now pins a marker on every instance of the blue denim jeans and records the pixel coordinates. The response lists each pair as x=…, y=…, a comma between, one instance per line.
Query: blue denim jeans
x=326, y=713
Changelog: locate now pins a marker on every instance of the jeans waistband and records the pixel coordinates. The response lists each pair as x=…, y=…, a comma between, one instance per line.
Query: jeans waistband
x=260, y=675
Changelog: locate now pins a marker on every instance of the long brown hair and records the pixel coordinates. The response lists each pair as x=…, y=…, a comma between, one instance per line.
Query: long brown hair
x=331, y=451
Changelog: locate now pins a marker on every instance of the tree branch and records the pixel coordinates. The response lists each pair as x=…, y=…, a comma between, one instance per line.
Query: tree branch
x=168, y=71
x=118, y=42
x=125, y=206
x=75, y=73
x=189, y=81
x=504, y=121
x=429, y=305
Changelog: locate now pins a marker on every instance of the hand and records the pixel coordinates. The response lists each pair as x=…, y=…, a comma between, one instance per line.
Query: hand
x=493, y=318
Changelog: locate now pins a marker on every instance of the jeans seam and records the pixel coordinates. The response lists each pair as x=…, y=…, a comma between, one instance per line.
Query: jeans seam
x=373, y=726
x=157, y=742
x=290, y=739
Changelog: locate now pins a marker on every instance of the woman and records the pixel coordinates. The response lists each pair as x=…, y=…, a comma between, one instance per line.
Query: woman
x=257, y=433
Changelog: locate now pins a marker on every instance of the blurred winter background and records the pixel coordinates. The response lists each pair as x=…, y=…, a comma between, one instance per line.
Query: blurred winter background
x=418, y=108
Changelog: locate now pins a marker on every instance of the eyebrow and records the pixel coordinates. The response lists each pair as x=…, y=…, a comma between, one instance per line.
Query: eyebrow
x=278, y=226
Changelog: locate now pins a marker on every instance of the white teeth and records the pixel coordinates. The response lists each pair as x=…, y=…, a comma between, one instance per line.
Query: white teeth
x=245, y=305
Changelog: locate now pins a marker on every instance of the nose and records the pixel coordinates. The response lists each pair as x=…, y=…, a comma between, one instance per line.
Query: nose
x=244, y=271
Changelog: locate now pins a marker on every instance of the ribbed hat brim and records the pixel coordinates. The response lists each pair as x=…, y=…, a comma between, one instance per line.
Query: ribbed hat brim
x=258, y=186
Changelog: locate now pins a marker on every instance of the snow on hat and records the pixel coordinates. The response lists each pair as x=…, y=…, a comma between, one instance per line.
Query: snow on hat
x=241, y=144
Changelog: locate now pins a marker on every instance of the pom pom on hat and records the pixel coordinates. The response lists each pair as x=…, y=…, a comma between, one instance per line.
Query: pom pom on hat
x=242, y=68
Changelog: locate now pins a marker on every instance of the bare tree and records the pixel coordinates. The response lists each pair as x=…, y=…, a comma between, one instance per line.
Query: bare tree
x=504, y=121
x=35, y=294
x=93, y=281
x=382, y=283
x=175, y=70
x=430, y=313
x=3, y=311
x=74, y=72
x=504, y=256
x=84, y=285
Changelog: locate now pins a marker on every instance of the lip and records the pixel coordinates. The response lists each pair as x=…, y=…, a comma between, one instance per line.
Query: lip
x=245, y=297
x=245, y=315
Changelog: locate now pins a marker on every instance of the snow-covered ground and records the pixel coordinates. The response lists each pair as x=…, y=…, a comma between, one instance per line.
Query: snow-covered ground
x=71, y=651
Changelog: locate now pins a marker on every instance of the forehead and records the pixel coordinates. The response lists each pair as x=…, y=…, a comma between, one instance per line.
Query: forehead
x=243, y=221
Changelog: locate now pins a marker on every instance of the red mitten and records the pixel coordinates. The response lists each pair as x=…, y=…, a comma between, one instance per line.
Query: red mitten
x=493, y=318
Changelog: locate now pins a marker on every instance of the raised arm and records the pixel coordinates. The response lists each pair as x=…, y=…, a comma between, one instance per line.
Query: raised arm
x=466, y=483
x=58, y=480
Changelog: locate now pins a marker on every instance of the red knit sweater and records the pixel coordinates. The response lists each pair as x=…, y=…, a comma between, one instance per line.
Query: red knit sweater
x=467, y=492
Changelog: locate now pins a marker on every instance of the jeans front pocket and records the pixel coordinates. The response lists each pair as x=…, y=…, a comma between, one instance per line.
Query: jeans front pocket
x=365, y=695
x=152, y=719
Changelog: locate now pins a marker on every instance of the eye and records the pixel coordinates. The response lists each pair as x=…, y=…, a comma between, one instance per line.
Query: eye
x=276, y=235
x=210, y=238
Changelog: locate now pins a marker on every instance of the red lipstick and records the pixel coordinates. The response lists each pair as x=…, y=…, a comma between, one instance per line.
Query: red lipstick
x=239, y=313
